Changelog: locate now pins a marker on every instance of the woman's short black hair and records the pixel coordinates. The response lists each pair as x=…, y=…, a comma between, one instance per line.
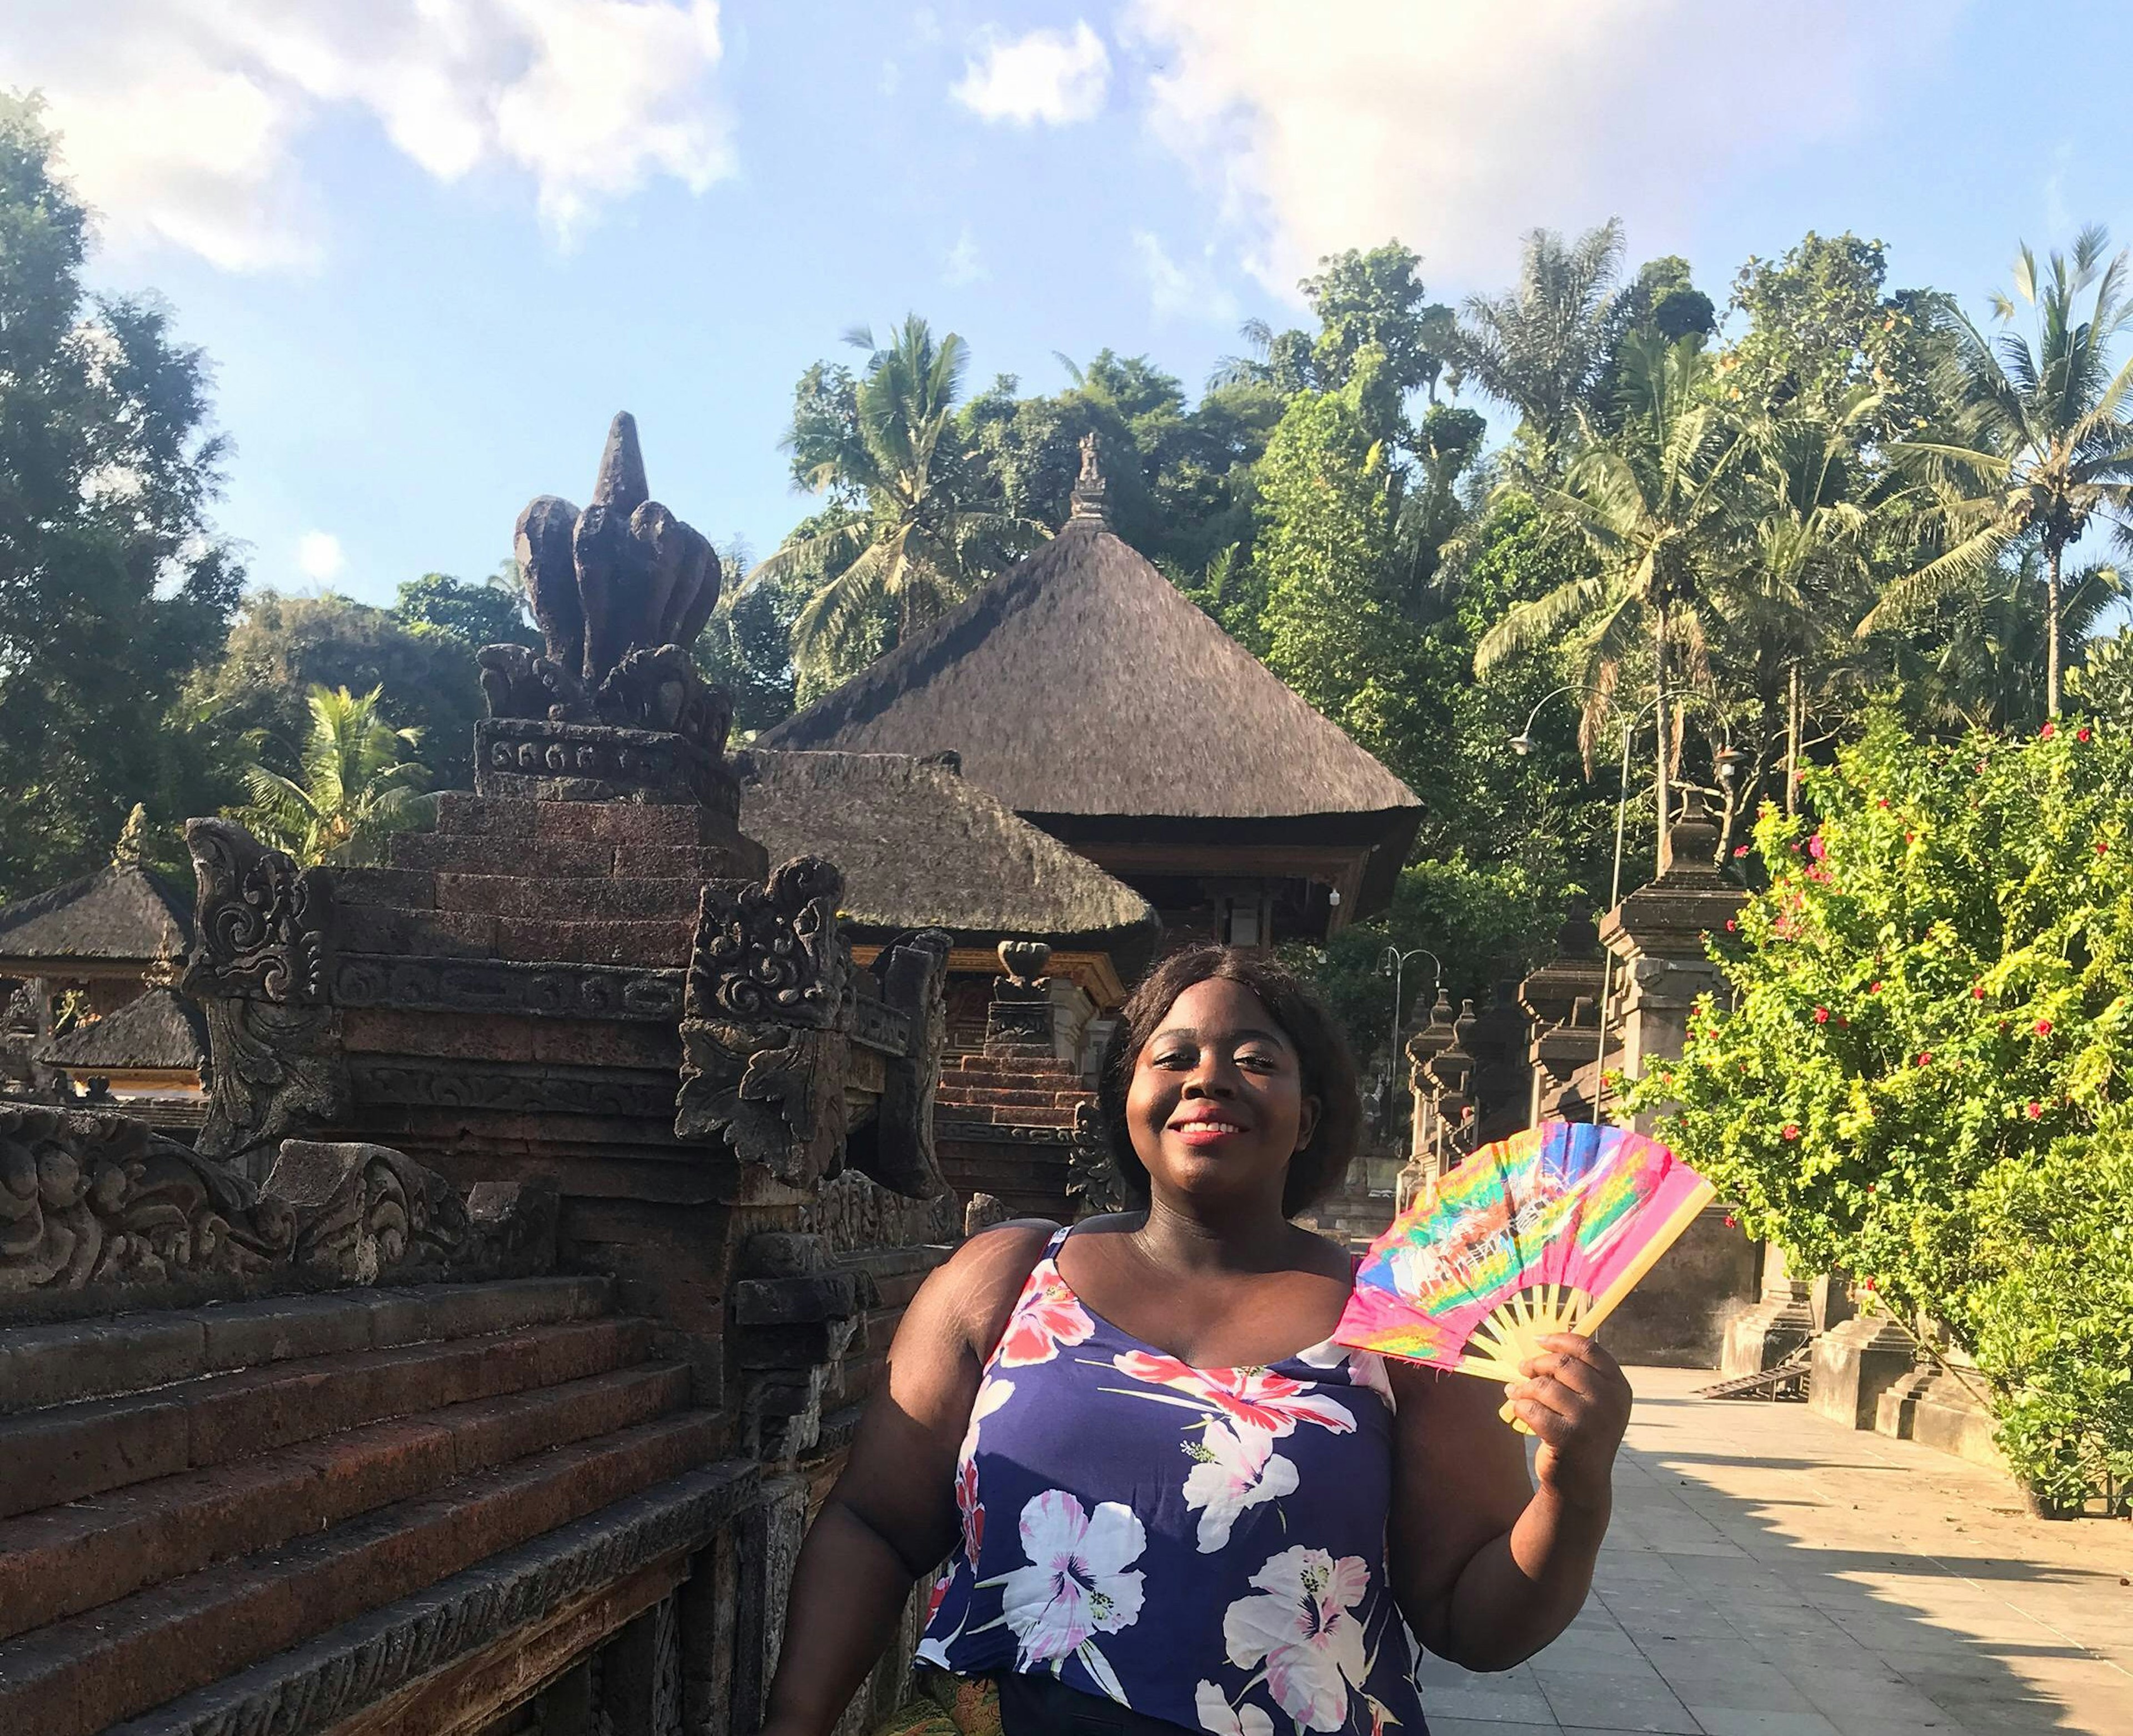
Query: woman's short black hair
x=1321, y=1052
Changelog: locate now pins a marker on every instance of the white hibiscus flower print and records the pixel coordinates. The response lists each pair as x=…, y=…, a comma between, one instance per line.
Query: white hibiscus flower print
x=1303, y=1627
x=1217, y=1715
x=1235, y=1469
x=1077, y=1584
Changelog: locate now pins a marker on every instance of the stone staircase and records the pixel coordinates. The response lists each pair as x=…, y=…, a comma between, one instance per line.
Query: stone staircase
x=188, y=1492
x=1004, y=1124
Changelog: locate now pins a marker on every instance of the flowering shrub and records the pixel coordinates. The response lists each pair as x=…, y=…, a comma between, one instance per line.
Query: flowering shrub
x=1931, y=1023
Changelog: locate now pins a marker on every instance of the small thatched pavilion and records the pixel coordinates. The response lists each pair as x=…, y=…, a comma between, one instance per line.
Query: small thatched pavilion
x=1093, y=699
x=923, y=847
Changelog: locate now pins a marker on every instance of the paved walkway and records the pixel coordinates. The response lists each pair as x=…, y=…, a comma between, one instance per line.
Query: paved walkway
x=1770, y=1573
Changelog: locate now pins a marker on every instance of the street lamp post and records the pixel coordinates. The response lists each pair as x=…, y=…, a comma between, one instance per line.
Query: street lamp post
x=1394, y=965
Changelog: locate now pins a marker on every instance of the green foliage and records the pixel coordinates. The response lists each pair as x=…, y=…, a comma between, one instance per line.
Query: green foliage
x=746, y=648
x=1374, y=300
x=491, y=613
x=113, y=586
x=1929, y=1036
x=254, y=702
x=353, y=789
x=905, y=541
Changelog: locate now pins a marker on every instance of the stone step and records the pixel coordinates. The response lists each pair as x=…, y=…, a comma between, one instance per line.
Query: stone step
x=67, y=1452
x=79, y=1676
x=498, y=882
x=60, y=1364
x=62, y=1561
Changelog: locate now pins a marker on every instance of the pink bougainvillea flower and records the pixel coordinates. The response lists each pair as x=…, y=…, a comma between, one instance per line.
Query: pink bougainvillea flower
x=1977, y=991
x=1925, y=1058
x=1739, y=851
x=1791, y=1130
x=1732, y=926
x=1880, y=801
x=1874, y=987
x=1816, y=848
x=2102, y=848
x=2083, y=733
x=2036, y=1112
x=2048, y=732
x=1868, y=1284
x=2044, y=1027
x=1821, y=1015
x=1981, y=765
x=1731, y=1222
x=1873, y=1187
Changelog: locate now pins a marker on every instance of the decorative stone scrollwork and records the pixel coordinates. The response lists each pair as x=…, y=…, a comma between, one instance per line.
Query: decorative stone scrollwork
x=90, y=1198
x=897, y=1149
x=773, y=1093
x=275, y=1069
x=367, y=1209
x=772, y=951
x=264, y=928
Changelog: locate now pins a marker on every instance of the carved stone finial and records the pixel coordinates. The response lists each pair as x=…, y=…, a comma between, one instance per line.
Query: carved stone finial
x=620, y=486
x=1024, y=960
x=1692, y=842
x=1086, y=505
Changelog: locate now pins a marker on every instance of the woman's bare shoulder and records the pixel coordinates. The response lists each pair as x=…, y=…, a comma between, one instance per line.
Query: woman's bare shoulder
x=972, y=1292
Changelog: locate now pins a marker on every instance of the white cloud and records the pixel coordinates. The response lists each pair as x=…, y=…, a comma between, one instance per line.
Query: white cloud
x=1459, y=124
x=182, y=119
x=1176, y=291
x=1046, y=75
x=319, y=556
x=965, y=263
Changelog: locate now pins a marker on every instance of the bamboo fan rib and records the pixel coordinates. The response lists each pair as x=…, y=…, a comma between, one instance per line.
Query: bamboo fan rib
x=1542, y=1233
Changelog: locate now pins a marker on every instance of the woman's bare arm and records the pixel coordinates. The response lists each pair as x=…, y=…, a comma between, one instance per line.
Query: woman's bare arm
x=1486, y=1568
x=891, y=1516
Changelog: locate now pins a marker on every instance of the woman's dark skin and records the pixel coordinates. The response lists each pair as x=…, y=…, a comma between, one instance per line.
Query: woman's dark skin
x=1486, y=1569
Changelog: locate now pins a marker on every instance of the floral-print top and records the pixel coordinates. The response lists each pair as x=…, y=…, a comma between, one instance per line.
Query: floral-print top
x=1206, y=1545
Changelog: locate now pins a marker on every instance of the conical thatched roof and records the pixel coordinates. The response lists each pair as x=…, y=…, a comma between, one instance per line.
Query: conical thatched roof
x=121, y=912
x=1082, y=683
x=921, y=846
x=161, y=1030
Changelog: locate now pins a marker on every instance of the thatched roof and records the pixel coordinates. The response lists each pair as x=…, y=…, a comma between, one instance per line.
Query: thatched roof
x=1082, y=683
x=922, y=846
x=162, y=1029
x=120, y=913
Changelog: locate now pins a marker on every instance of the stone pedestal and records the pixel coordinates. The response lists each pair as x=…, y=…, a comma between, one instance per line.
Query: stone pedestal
x=1940, y=1409
x=1764, y=1335
x=1854, y=1364
x=1659, y=934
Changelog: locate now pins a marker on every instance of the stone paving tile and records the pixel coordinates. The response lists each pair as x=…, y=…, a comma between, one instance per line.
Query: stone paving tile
x=1770, y=1573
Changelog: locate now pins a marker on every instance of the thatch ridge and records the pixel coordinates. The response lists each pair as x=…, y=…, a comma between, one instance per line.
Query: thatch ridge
x=162, y=1029
x=116, y=913
x=1082, y=682
x=921, y=846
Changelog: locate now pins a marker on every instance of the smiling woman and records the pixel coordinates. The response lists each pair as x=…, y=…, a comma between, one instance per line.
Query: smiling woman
x=1166, y=1498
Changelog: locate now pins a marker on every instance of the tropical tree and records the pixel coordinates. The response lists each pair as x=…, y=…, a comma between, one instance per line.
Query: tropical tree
x=354, y=788
x=885, y=446
x=1982, y=663
x=2040, y=444
x=1544, y=347
x=1813, y=511
x=1657, y=506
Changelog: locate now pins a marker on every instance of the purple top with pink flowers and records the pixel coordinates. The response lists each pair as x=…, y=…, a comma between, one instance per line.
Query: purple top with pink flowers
x=1205, y=1545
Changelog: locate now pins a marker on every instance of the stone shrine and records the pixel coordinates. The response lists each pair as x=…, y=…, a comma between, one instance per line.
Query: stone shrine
x=561, y=1184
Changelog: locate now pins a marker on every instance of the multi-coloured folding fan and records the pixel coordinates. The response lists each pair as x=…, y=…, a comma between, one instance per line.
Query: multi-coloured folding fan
x=1544, y=1232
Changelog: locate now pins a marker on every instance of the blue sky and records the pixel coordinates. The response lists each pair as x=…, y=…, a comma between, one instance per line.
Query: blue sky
x=431, y=245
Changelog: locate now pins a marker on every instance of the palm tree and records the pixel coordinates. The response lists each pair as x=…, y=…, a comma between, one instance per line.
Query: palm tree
x=1544, y=347
x=910, y=543
x=2038, y=445
x=1980, y=669
x=1653, y=503
x=1815, y=514
x=355, y=788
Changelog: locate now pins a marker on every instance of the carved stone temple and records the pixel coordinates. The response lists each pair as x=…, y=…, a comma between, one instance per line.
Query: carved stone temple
x=560, y=1186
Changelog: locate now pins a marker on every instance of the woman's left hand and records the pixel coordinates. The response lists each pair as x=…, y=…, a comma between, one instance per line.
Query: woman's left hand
x=1576, y=1398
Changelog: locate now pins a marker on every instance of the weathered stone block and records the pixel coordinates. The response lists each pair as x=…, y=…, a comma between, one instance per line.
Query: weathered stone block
x=383, y=928
x=495, y=1037
x=408, y=888
x=482, y=816
x=56, y=1456
x=485, y=853
x=784, y=1301
x=1854, y=1364
x=784, y=1254
x=54, y=1365
x=622, y=822
x=247, y=1334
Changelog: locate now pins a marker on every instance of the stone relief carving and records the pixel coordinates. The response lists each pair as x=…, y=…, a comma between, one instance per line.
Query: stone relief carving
x=91, y=1200
x=620, y=591
x=260, y=968
x=263, y=927
x=771, y=951
x=898, y=1151
x=506, y=985
x=773, y=1093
